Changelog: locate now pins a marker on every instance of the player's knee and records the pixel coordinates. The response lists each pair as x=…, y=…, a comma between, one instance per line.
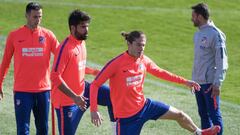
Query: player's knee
x=181, y=115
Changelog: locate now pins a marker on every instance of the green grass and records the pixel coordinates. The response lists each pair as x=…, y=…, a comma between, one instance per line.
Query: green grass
x=169, y=31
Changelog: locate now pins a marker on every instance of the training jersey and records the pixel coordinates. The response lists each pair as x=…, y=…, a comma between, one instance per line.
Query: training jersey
x=126, y=75
x=69, y=68
x=31, y=50
x=210, y=55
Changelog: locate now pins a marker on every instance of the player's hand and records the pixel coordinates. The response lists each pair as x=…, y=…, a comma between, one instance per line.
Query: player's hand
x=215, y=90
x=81, y=102
x=96, y=118
x=193, y=85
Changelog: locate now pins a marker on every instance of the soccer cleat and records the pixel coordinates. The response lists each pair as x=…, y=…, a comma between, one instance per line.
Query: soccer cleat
x=211, y=131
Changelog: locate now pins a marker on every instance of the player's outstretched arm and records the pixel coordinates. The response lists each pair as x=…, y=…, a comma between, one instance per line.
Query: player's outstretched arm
x=91, y=71
x=193, y=85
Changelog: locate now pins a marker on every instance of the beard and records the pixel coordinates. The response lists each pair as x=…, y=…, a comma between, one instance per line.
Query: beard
x=196, y=23
x=80, y=36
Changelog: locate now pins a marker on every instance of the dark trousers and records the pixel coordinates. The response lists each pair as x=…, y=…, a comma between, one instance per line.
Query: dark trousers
x=24, y=103
x=70, y=116
x=209, y=108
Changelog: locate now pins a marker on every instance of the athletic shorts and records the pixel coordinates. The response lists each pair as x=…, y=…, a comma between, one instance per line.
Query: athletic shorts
x=152, y=110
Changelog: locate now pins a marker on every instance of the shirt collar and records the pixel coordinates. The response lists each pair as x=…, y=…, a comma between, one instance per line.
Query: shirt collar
x=131, y=57
x=209, y=23
x=72, y=38
x=32, y=30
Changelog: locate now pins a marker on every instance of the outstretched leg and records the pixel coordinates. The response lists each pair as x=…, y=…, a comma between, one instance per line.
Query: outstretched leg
x=186, y=122
x=182, y=118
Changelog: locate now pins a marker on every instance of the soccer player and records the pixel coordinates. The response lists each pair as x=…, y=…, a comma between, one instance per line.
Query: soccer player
x=70, y=92
x=31, y=46
x=210, y=66
x=126, y=74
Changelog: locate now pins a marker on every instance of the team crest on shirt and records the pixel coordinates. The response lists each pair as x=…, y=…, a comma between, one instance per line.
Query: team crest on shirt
x=204, y=40
x=141, y=67
x=18, y=102
x=203, y=43
x=41, y=40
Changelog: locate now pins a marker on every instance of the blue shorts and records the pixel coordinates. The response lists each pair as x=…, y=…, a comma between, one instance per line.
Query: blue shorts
x=70, y=116
x=24, y=103
x=152, y=110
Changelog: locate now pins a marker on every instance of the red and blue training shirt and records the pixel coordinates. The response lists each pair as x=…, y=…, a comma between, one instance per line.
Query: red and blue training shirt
x=126, y=75
x=31, y=50
x=69, y=68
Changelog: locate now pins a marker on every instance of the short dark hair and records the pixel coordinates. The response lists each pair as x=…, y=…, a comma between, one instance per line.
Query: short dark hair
x=132, y=36
x=33, y=6
x=77, y=16
x=202, y=9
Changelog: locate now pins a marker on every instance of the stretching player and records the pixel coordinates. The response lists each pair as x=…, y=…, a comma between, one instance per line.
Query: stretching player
x=70, y=92
x=126, y=73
